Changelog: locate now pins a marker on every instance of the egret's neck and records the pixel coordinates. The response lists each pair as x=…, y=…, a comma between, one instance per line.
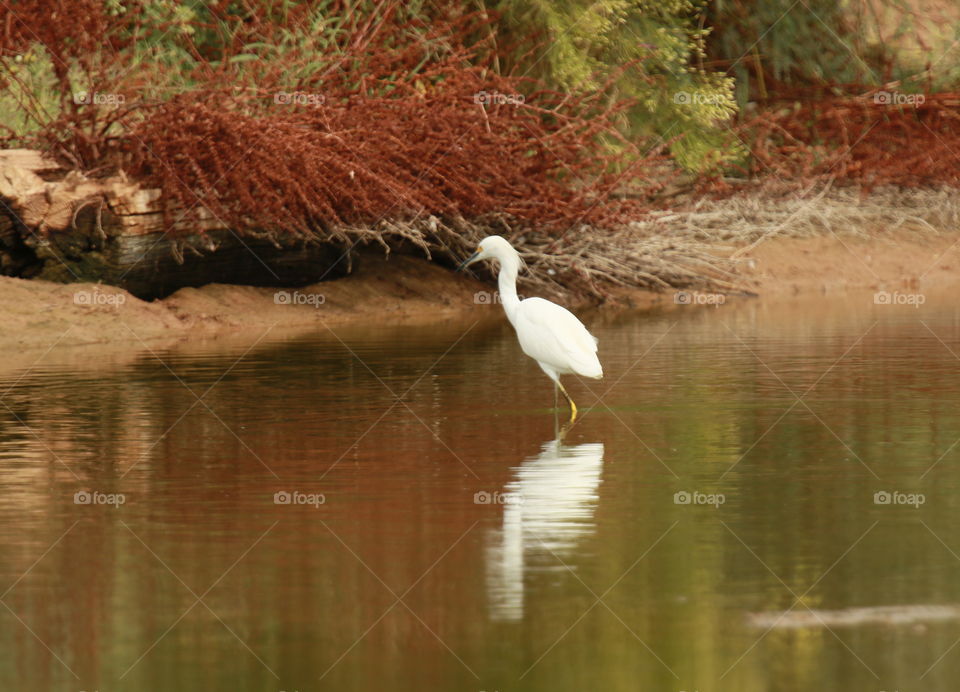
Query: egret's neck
x=509, y=268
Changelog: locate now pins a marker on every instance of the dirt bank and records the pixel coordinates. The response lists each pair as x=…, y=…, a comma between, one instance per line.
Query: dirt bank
x=914, y=259
x=404, y=289
x=395, y=289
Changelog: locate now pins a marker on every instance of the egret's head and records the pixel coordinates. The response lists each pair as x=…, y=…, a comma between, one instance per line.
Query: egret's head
x=494, y=247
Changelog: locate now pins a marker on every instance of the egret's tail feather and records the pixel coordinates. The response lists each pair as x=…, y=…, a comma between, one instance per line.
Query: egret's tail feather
x=589, y=367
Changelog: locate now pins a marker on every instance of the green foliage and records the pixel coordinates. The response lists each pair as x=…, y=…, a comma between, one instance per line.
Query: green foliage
x=151, y=62
x=182, y=42
x=155, y=50
x=28, y=78
x=786, y=42
x=660, y=41
x=771, y=46
x=687, y=65
x=640, y=50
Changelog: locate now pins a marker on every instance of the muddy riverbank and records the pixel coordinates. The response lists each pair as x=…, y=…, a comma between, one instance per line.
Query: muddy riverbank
x=409, y=289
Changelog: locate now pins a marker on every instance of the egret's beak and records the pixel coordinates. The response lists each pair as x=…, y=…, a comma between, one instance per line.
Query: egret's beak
x=470, y=260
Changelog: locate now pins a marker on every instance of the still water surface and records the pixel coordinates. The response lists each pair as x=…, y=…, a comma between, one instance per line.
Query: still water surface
x=391, y=509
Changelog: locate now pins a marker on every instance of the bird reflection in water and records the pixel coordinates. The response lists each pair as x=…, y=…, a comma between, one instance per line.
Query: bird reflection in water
x=548, y=509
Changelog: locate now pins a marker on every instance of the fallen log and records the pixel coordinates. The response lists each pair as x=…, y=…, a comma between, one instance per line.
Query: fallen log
x=62, y=226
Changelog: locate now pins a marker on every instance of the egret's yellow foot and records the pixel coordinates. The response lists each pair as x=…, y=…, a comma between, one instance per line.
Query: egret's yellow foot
x=573, y=406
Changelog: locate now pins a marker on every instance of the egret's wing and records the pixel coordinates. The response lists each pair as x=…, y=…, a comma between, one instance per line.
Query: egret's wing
x=552, y=334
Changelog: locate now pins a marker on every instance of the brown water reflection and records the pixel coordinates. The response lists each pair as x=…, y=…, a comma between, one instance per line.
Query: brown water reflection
x=448, y=540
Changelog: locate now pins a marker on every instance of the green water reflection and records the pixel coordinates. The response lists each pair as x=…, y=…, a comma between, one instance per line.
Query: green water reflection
x=440, y=536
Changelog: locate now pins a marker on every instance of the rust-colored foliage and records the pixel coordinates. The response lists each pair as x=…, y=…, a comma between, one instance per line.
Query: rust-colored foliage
x=69, y=29
x=879, y=139
x=363, y=159
x=397, y=122
x=452, y=139
x=76, y=34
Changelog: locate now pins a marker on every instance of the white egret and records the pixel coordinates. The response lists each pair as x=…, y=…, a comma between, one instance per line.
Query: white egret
x=548, y=333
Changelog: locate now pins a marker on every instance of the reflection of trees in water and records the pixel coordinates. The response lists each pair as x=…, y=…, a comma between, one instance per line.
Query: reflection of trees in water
x=198, y=497
x=15, y=419
x=699, y=400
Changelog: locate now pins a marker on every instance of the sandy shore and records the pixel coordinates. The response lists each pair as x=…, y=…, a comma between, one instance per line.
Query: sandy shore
x=904, y=261
x=39, y=315
x=398, y=289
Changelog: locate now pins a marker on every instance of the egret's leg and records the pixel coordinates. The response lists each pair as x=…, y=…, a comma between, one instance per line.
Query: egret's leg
x=563, y=431
x=556, y=410
x=573, y=406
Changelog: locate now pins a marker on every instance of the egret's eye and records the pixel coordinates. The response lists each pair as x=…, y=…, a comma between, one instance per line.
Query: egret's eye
x=479, y=249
